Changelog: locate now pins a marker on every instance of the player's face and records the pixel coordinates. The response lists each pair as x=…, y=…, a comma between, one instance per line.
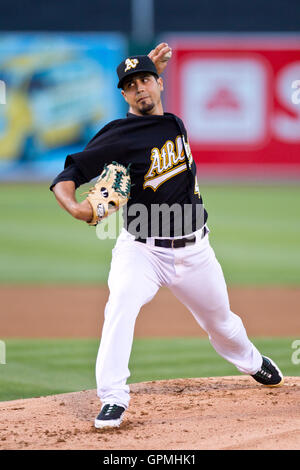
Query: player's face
x=143, y=94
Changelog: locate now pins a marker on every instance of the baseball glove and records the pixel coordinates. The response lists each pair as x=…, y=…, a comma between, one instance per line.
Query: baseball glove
x=110, y=192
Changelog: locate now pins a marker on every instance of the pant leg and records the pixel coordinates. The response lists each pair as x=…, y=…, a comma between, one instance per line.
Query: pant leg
x=200, y=285
x=132, y=283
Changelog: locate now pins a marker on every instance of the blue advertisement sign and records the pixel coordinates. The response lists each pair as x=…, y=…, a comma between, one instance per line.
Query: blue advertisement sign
x=57, y=91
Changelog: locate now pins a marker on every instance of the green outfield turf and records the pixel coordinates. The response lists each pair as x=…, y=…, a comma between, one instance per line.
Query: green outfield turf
x=255, y=231
x=44, y=367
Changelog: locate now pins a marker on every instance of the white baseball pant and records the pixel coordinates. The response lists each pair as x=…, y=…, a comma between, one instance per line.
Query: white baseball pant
x=195, y=277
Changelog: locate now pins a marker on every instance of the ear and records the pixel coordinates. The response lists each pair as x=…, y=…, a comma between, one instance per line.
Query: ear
x=160, y=83
x=124, y=95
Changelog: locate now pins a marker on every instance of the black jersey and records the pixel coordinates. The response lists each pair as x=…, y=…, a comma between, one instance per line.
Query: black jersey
x=163, y=173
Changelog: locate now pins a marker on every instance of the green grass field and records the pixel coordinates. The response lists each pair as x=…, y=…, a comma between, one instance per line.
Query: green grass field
x=255, y=231
x=45, y=367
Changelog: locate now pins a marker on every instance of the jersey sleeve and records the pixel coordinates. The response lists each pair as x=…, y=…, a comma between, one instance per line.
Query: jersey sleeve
x=105, y=147
x=71, y=173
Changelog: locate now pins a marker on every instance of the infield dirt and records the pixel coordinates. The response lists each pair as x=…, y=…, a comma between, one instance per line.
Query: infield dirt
x=204, y=413
x=78, y=311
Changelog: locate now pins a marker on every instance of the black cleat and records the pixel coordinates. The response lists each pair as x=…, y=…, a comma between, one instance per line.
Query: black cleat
x=110, y=416
x=269, y=374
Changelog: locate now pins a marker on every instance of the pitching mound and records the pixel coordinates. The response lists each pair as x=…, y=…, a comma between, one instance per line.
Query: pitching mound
x=205, y=413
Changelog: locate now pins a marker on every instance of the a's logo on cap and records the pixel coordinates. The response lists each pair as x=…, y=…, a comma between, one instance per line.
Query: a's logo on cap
x=130, y=64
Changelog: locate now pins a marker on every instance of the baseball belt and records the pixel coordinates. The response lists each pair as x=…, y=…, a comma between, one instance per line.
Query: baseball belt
x=175, y=242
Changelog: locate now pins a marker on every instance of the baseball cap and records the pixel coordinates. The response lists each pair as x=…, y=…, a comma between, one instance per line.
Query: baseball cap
x=135, y=64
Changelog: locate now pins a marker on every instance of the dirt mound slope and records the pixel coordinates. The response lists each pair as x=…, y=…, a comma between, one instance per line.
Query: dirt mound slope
x=201, y=413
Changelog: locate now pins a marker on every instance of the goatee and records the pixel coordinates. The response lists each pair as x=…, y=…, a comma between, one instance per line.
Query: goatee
x=146, y=108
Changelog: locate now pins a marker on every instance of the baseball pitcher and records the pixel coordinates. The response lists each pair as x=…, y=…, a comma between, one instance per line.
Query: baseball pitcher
x=144, y=164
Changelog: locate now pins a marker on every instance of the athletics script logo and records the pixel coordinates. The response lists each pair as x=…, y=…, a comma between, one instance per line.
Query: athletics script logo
x=169, y=161
x=165, y=163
